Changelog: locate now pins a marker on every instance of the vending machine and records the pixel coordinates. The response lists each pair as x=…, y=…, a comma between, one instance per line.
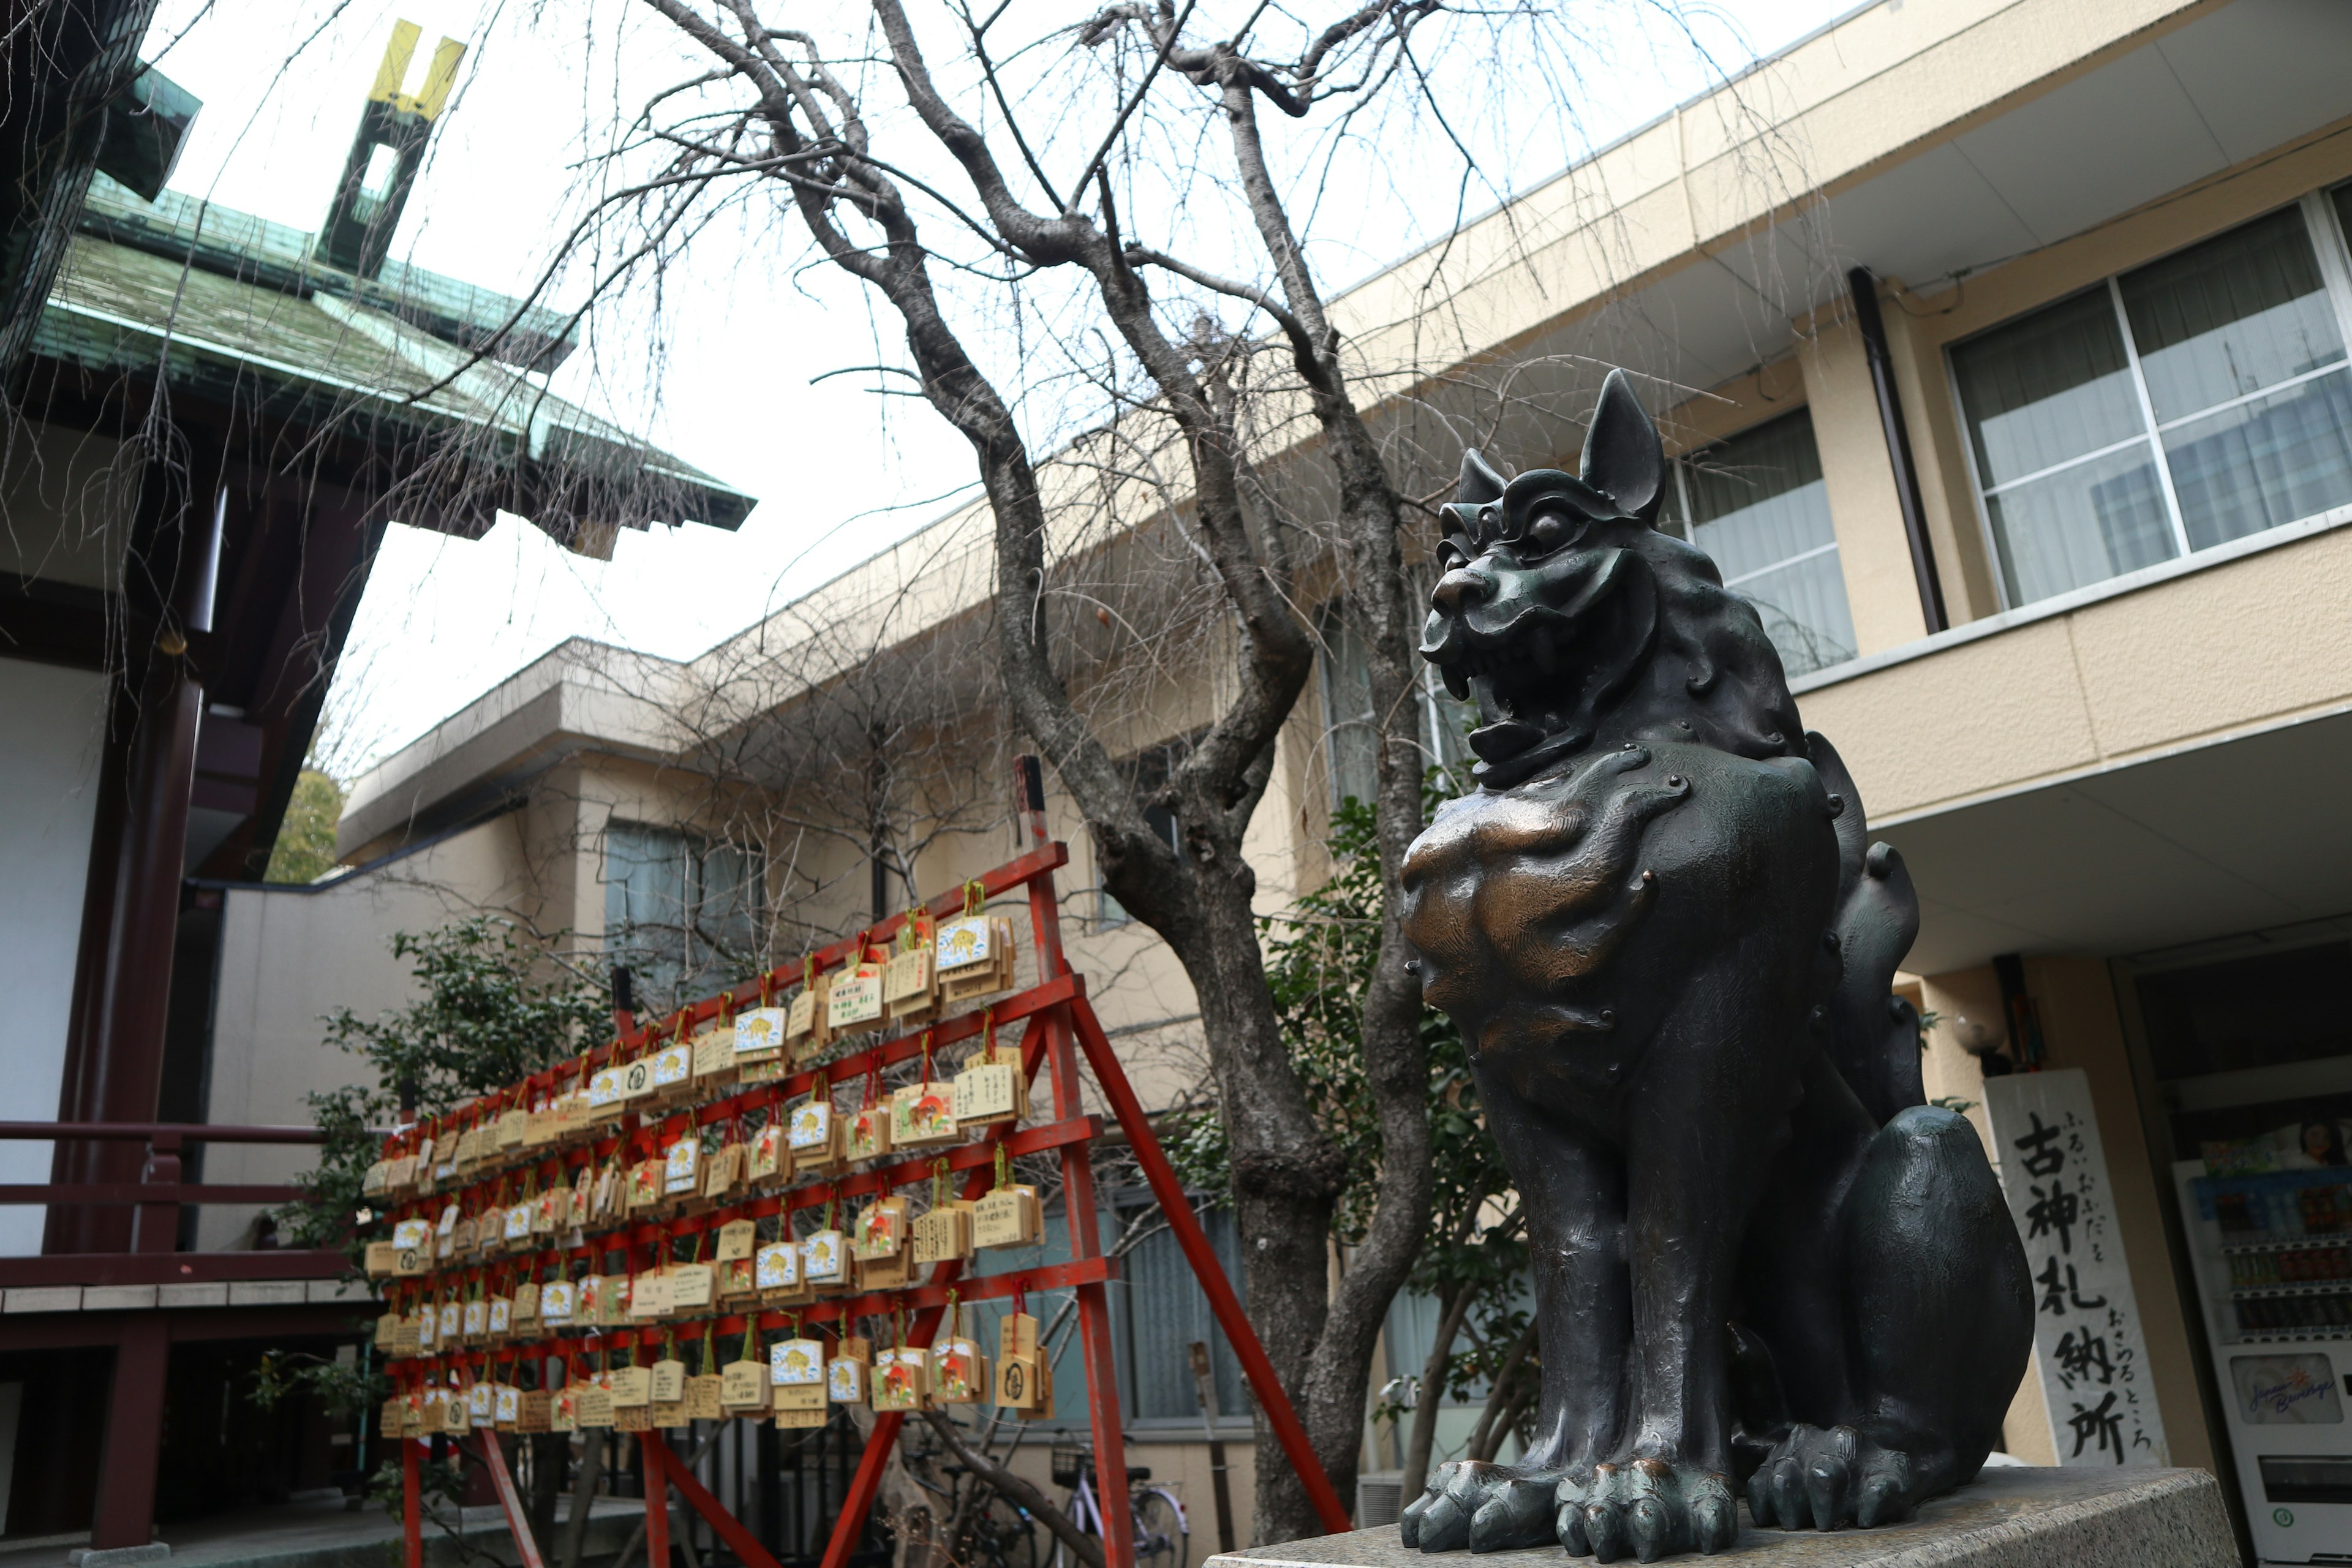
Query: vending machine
x=2274, y=1261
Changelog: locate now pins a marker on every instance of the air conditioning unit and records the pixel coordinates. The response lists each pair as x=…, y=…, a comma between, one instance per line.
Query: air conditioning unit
x=1379, y=1498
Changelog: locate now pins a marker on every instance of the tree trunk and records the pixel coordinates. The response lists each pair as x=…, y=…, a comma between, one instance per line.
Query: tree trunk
x=547, y=1454
x=1285, y=1172
x=1396, y=1062
x=591, y=1471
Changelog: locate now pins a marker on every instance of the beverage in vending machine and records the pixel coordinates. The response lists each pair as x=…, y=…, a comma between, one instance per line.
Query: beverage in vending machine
x=2273, y=1260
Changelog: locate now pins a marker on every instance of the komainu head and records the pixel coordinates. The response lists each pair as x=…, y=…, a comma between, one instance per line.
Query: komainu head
x=1573, y=622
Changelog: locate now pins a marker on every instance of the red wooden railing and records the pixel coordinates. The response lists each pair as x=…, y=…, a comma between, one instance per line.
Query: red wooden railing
x=158, y=1196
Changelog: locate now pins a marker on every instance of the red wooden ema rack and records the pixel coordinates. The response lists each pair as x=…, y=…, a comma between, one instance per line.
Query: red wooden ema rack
x=1062, y=1027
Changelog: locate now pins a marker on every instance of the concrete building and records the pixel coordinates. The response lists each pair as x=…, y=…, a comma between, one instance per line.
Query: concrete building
x=2002, y=347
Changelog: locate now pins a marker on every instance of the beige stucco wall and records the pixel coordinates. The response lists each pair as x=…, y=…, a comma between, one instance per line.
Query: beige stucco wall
x=1831, y=378
x=2224, y=645
x=1874, y=554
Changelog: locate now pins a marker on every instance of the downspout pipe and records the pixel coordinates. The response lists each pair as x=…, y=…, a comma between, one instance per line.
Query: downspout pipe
x=1864, y=287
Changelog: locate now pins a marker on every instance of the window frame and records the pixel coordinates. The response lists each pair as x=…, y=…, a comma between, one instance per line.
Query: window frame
x=1685, y=528
x=699, y=848
x=2332, y=251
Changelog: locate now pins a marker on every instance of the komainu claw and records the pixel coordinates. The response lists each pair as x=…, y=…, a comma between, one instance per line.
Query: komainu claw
x=1652, y=1531
x=1484, y=1506
x=1790, y=1509
x=1714, y=1524
x=1512, y=1517
x=1827, y=1478
x=1444, y=1526
x=1825, y=1488
x=1605, y=1530
x=1648, y=1508
x=1571, y=1526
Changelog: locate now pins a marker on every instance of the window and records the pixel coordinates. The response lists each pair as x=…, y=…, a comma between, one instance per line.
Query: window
x=1757, y=504
x=1158, y=1311
x=2196, y=400
x=680, y=911
x=1351, y=739
x=1166, y=1313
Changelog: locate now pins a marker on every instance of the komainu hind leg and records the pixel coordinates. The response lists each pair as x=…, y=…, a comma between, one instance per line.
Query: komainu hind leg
x=1939, y=1319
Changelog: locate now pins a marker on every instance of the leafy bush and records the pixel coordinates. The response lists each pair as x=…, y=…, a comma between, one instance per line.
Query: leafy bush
x=496, y=1006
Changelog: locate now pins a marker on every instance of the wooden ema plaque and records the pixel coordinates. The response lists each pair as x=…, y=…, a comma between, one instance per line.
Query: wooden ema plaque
x=623, y=1156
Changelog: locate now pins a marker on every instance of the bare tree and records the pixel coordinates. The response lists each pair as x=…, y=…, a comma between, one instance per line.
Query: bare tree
x=1218, y=480
x=801, y=119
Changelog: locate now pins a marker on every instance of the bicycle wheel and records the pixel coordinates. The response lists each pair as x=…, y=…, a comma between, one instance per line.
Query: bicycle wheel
x=1002, y=1537
x=1158, y=1531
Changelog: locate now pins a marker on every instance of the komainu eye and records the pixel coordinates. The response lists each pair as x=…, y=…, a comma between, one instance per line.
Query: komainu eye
x=1451, y=556
x=1551, y=529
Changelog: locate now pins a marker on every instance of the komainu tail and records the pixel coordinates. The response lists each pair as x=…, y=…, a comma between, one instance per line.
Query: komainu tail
x=1874, y=1034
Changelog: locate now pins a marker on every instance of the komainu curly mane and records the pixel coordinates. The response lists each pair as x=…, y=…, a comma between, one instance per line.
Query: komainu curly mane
x=1760, y=1261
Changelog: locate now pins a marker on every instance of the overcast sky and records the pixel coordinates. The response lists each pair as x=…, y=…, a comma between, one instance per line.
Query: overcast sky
x=838, y=470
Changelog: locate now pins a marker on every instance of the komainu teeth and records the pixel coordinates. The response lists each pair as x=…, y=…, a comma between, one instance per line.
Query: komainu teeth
x=1457, y=681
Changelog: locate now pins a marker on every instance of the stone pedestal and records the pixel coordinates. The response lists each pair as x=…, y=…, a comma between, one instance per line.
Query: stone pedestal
x=2013, y=1517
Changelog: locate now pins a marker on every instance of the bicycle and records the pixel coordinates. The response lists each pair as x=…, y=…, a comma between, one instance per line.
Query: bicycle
x=999, y=1535
x=1162, y=1533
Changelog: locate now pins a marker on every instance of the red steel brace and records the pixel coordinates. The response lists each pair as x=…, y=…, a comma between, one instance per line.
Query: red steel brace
x=494, y=1455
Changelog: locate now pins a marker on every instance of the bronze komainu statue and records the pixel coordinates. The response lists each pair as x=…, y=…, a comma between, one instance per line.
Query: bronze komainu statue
x=1759, y=1259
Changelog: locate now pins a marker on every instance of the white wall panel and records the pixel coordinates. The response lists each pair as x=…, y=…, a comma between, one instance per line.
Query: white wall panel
x=51, y=722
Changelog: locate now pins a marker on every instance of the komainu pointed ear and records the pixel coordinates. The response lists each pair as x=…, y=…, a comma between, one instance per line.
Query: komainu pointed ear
x=1622, y=455
x=1479, y=483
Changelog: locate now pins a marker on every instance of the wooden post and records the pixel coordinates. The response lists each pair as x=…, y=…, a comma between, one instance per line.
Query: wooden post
x=1085, y=1232
x=1204, y=1388
x=125, y=1513
x=412, y=1508
x=114, y=1063
x=157, y=1226
x=656, y=1455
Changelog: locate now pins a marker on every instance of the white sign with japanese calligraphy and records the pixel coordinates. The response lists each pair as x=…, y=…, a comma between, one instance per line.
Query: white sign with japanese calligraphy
x=2088, y=1342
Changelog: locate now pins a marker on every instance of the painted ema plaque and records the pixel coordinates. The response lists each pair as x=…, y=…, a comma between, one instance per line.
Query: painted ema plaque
x=2088, y=1346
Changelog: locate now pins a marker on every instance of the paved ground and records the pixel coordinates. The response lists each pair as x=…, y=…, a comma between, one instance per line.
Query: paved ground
x=325, y=1534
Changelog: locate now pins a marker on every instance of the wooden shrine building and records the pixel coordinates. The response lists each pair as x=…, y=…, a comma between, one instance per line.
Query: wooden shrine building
x=210, y=420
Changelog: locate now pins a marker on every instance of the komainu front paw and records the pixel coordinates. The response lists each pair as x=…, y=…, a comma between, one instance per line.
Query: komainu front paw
x=1486, y=1508
x=1819, y=1479
x=1649, y=1508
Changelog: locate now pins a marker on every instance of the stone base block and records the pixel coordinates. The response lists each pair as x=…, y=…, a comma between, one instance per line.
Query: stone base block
x=2007, y=1517
x=118, y=1556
